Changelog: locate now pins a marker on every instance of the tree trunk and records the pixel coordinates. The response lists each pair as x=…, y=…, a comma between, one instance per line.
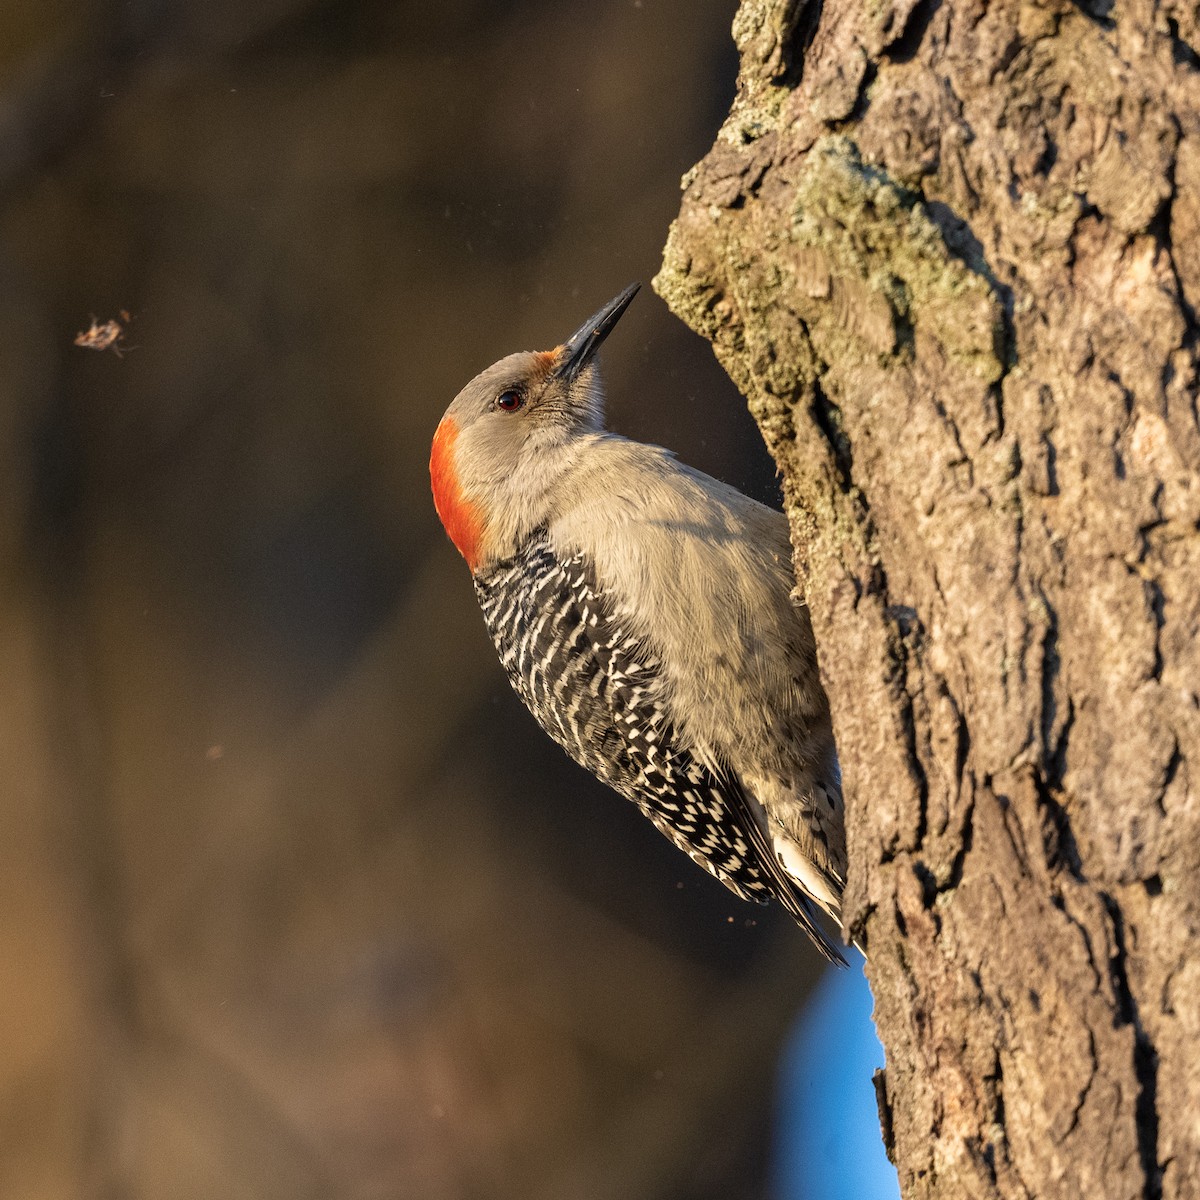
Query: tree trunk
x=950, y=251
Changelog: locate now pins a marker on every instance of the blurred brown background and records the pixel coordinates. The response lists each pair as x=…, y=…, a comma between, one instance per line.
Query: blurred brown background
x=295, y=899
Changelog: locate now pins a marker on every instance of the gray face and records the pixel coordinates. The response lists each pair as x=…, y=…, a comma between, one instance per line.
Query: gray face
x=509, y=437
x=510, y=415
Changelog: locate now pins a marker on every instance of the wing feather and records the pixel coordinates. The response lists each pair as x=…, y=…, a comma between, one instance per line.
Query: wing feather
x=597, y=689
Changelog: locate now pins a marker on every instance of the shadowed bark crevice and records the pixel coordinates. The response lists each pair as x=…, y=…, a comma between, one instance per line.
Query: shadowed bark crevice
x=1145, y=1058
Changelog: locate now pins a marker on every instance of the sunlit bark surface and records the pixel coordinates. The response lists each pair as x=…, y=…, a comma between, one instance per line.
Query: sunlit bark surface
x=949, y=253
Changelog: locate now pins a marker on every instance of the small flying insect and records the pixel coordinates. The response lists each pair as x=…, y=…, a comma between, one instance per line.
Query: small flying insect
x=105, y=336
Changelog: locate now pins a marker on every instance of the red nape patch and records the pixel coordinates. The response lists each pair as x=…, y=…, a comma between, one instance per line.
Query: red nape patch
x=460, y=517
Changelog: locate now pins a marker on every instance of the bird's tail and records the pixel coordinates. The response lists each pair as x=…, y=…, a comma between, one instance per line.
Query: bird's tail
x=803, y=910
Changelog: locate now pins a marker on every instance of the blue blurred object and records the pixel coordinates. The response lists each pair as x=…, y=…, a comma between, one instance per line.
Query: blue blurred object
x=828, y=1141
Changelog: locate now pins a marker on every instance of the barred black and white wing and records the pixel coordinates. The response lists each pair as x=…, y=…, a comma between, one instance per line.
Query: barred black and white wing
x=597, y=689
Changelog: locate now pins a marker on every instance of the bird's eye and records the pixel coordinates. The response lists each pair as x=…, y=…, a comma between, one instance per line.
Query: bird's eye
x=510, y=401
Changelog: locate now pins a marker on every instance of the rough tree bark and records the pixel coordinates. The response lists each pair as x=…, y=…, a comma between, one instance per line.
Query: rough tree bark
x=950, y=251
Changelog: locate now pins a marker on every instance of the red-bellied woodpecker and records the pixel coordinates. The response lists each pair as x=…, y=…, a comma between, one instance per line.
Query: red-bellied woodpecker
x=644, y=613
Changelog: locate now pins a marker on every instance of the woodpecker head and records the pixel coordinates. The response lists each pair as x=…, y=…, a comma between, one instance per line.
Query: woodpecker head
x=506, y=436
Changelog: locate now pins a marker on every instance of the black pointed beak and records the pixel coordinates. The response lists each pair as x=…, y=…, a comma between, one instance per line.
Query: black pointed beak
x=578, y=349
